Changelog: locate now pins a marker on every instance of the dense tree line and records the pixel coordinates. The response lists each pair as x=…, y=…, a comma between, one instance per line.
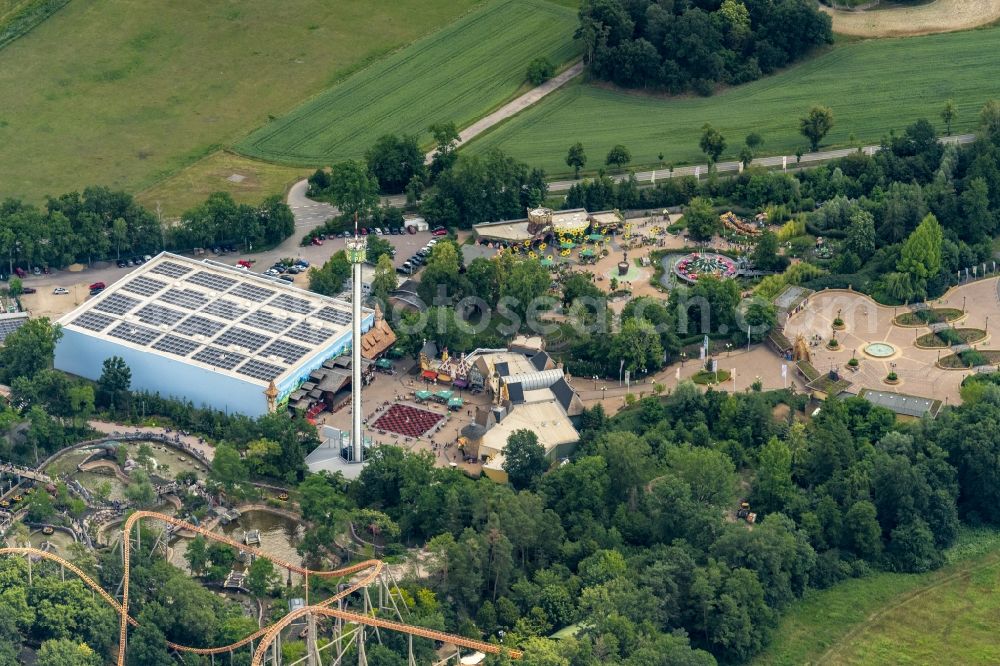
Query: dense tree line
x=696, y=44
x=908, y=218
x=100, y=224
x=634, y=541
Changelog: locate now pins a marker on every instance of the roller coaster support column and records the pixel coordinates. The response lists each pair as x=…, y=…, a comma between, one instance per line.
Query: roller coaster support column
x=311, y=649
x=368, y=609
x=410, y=659
x=362, y=657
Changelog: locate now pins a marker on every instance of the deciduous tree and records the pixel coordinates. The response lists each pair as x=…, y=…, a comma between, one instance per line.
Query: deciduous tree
x=524, y=459
x=815, y=125
x=576, y=159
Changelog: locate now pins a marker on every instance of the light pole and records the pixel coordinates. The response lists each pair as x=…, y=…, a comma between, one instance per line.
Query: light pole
x=595, y=382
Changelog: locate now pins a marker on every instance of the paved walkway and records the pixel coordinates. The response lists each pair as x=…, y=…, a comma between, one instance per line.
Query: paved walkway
x=516, y=106
x=773, y=162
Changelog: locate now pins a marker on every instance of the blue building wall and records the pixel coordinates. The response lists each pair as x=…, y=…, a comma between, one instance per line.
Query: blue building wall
x=310, y=363
x=84, y=355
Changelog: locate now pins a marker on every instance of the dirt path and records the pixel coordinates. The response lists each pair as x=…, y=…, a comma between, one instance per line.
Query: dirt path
x=938, y=16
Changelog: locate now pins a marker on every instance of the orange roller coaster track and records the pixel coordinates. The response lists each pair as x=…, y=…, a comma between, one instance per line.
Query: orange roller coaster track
x=372, y=569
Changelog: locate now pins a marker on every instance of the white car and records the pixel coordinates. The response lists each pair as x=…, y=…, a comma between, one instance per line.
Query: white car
x=60, y=291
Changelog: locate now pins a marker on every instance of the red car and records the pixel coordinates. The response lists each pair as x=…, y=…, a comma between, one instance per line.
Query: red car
x=245, y=263
x=97, y=285
x=317, y=241
x=20, y=272
x=439, y=231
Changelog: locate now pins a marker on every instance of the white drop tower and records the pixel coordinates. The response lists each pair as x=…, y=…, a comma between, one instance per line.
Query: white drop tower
x=356, y=253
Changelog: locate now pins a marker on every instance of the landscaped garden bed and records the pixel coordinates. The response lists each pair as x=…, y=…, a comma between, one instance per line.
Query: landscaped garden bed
x=972, y=358
x=709, y=377
x=947, y=337
x=928, y=316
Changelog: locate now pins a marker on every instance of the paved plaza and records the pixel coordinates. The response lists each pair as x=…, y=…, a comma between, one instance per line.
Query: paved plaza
x=868, y=322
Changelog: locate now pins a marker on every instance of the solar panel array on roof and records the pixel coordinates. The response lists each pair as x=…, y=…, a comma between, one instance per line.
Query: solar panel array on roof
x=252, y=292
x=211, y=280
x=175, y=345
x=93, y=321
x=241, y=337
x=286, y=351
x=155, y=314
x=144, y=286
x=292, y=304
x=260, y=370
x=117, y=304
x=267, y=321
x=198, y=325
x=213, y=315
x=220, y=358
x=225, y=309
x=10, y=324
x=186, y=298
x=170, y=269
x=334, y=316
x=311, y=334
x=139, y=335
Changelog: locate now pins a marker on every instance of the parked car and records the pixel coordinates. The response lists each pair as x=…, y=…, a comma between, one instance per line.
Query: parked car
x=28, y=290
x=245, y=263
x=122, y=263
x=95, y=292
x=439, y=231
x=60, y=291
x=20, y=272
x=302, y=262
x=317, y=241
x=286, y=277
x=410, y=229
x=97, y=285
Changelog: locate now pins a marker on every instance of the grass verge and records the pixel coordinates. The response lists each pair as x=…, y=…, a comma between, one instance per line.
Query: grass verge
x=248, y=181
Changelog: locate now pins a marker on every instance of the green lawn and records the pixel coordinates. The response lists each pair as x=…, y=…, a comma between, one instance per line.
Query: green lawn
x=946, y=616
x=872, y=86
x=123, y=93
x=457, y=74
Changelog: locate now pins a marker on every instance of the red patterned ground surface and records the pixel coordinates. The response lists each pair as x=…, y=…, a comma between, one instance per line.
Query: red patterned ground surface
x=407, y=420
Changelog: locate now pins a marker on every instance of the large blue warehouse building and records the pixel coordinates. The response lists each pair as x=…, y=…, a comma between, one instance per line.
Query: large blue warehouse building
x=207, y=332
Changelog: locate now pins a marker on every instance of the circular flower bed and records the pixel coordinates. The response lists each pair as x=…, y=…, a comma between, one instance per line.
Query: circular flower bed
x=696, y=264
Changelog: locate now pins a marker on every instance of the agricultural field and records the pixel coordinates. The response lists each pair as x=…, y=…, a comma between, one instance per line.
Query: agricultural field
x=458, y=74
x=106, y=92
x=872, y=86
x=945, y=616
x=899, y=18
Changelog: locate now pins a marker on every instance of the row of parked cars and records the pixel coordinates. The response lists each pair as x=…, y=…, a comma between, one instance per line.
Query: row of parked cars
x=134, y=261
x=286, y=272
x=414, y=263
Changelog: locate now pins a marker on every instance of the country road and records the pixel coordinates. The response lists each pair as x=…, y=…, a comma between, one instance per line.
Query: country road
x=772, y=162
